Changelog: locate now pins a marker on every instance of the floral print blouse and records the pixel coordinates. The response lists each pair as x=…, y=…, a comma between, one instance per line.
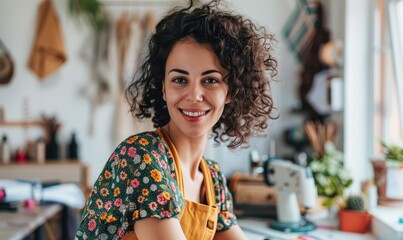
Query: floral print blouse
x=137, y=182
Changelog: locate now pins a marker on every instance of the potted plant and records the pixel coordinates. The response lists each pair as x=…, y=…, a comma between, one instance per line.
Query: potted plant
x=393, y=154
x=354, y=218
x=389, y=170
x=330, y=176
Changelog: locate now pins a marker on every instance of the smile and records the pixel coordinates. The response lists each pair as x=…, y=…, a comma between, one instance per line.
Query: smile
x=194, y=114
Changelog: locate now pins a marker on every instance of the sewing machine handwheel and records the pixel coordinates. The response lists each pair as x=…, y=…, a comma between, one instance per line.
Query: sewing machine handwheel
x=267, y=171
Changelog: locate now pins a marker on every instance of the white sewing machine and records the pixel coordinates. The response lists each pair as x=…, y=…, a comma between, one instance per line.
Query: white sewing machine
x=292, y=182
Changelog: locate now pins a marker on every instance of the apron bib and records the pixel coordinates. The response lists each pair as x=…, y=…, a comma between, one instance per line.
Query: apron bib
x=198, y=221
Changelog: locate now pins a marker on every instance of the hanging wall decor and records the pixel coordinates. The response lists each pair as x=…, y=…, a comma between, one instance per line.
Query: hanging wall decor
x=6, y=65
x=48, y=52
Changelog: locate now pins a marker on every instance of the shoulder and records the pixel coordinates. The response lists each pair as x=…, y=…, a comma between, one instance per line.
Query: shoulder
x=144, y=146
x=144, y=141
x=146, y=153
x=213, y=165
x=219, y=180
x=215, y=170
x=136, y=152
x=134, y=161
x=137, y=182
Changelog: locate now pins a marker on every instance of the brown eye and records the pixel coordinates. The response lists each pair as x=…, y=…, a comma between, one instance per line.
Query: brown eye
x=210, y=80
x=179, y=80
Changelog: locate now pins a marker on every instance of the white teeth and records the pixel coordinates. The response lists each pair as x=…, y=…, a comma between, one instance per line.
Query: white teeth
x=193, y=114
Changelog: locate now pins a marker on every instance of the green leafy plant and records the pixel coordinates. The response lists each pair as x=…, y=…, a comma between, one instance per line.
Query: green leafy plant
x=393, y=153
x=330, y=176
x=92, y=11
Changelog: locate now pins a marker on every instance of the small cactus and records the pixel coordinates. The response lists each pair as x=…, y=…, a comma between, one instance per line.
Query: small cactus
x=355, y=202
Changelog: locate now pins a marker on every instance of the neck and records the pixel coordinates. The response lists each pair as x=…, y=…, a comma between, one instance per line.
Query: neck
x=190, y=150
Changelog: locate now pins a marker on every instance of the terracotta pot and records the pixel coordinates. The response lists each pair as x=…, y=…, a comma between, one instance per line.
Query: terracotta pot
x=380, y=175
x=354, y=221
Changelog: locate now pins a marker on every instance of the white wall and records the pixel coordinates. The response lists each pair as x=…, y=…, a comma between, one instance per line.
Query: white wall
x=59, y=94
x=358, y=86
x=273, y=14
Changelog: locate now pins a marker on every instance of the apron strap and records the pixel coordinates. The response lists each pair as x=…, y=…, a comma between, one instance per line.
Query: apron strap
x=178, y=168
x=208, y=181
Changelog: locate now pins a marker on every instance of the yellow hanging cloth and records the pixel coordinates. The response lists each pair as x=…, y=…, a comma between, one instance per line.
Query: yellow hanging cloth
x=48, y=52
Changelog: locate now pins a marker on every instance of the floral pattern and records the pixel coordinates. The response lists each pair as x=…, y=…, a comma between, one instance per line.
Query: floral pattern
x=137, y=182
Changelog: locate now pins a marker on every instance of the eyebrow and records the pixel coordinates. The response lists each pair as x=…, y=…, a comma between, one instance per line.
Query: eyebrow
x=187, y=73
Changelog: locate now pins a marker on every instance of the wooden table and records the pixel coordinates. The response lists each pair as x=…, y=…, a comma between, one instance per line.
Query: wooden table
x=26, y=222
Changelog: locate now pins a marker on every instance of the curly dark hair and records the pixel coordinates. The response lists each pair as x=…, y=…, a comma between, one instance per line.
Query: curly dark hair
x=243, y=49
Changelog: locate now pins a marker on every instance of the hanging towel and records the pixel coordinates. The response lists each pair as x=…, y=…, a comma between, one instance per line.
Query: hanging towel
x=301, y=26
x=48, y=52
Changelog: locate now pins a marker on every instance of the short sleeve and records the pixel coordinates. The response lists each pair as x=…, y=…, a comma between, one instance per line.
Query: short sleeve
x=137, y=182
x=226, y=216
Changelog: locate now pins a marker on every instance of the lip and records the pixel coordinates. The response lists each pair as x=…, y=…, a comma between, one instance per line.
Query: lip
x=193, y=115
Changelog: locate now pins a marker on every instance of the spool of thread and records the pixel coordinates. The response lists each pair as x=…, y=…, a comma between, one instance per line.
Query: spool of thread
x=29, y=203
x=2, y=194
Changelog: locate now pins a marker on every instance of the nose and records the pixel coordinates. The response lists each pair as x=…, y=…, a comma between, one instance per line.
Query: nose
x=195, y=93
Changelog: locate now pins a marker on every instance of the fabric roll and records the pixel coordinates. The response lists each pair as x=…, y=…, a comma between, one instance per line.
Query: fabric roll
x=131, y=37
x=96, y=51
x=48, y=52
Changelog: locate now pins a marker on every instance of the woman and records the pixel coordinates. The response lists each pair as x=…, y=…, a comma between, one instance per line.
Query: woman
x=207, y=73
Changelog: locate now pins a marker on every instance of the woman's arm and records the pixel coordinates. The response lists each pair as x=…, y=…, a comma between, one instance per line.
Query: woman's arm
x=159, y=229
x=233, y=233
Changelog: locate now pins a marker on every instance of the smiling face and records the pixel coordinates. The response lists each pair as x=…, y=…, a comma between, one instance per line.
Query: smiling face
x=194, y=88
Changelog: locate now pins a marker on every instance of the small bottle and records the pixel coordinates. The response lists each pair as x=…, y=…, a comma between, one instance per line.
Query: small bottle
x=73, y=148
x=1, y=114
x=5, y=154
x=40, y=151
x=21, y=156
x=52, y=147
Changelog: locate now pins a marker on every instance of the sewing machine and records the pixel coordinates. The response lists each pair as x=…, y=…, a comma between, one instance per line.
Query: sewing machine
x=291, y=182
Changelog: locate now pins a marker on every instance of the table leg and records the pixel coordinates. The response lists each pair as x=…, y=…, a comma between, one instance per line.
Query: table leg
x=65, y=223
x=39, y=233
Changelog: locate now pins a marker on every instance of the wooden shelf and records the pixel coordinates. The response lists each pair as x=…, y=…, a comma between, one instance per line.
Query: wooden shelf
x=26, y=124
x=21, y=123
x=34, y=163
x=64, y=171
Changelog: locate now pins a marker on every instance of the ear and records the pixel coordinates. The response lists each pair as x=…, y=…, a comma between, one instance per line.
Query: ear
x=228, y=99
x=163, y=92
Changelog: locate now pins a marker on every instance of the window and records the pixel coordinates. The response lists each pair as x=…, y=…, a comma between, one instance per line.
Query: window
x=388, y=73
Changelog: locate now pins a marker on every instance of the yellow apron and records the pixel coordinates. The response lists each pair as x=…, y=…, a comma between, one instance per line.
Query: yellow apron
x=198, y=221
